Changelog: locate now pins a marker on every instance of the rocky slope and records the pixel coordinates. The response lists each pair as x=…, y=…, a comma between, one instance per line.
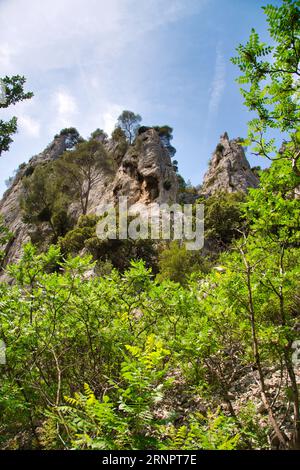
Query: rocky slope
x=144, y=174
x=229, y=169
x=10, y=203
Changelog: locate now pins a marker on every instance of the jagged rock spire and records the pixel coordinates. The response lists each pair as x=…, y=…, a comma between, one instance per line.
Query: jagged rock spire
x=229, y=169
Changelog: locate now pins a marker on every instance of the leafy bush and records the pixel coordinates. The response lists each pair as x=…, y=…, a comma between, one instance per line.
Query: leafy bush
x=223, y=214
x=212, y=432
x=124, y=418
x=177, y=264
x=117, y=252
x=75, y=240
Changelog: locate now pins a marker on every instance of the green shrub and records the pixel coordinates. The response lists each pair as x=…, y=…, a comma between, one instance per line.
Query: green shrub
x=177, y=264
x=123, y=418
x=43, y=202
x=223, y=217
x=212, y=432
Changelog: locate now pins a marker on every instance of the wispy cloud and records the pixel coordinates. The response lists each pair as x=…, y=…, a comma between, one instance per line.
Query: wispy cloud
x=53, y=33
x=218, y=84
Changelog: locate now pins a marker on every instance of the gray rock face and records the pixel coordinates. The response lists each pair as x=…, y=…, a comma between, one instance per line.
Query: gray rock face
x=10, y=203
x=229, y=169
x=145, y=175
x=10, y=209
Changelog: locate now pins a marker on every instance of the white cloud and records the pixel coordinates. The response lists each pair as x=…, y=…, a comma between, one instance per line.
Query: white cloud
x=65, y=109
x=218, y=84
x=29, y=125
x=66, y=104
x=110, y=117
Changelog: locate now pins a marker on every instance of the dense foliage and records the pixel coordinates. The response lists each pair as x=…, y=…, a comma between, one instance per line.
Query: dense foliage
x=103, y=352
x=132, y=346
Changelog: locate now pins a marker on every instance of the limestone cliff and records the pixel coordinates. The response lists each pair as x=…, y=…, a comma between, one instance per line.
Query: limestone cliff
x=144, y=174
x=229, y=169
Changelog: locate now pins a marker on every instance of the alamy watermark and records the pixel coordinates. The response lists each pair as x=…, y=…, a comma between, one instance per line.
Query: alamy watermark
x=296, y=353
x=2, y=92
x=153, y=221
x=2, y=352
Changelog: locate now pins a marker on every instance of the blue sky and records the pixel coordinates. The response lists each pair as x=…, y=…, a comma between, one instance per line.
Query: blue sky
x=87, y=60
